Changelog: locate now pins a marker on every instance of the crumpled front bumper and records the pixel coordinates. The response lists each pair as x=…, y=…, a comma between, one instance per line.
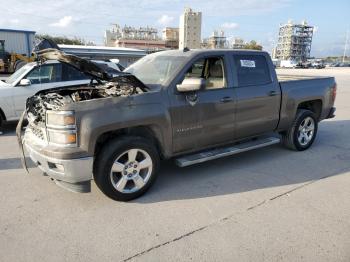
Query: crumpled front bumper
x=72, y=174
x=68, y=170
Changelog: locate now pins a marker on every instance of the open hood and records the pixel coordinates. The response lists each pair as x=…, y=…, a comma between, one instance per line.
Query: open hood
x=47, y=49
x=95, y=70
x=99, y=71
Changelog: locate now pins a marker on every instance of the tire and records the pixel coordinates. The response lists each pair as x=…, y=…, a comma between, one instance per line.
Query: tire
x=126, y=168
x=303, y=139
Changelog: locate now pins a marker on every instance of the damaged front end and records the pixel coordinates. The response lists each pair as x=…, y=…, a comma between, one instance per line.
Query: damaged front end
x=38, y=104
x=105, y=82
x=52, y=127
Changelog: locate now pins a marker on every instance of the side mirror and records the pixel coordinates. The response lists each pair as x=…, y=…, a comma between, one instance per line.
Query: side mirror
x=24, y=82
x=190, y=84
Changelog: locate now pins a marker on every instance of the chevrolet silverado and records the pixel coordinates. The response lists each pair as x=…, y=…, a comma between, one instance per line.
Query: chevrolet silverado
x=189, y=105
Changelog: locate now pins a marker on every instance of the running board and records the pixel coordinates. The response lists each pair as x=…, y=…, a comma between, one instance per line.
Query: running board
x=225, y=151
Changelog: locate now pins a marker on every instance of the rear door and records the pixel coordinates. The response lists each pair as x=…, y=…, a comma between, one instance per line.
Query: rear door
x=257, y=96
x=204, y=118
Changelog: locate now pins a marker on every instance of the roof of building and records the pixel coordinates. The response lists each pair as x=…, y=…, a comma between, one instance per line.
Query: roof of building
x=16, y=31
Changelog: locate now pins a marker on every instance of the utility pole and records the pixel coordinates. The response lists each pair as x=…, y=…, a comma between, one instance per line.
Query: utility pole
x=346, y=44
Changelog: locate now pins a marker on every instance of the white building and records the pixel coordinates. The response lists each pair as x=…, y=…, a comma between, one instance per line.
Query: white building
x=190, y=29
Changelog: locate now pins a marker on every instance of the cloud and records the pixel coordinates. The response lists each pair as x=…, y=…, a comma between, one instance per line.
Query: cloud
x=14, y=21
x=90, y=19
x=165, y=20
x=230, y=25
x=63, y=22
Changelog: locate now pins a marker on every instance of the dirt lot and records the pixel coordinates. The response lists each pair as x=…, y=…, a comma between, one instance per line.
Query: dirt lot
x=271, y=204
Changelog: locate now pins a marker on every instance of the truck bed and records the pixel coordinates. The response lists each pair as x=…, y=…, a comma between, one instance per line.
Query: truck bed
x=284, y=78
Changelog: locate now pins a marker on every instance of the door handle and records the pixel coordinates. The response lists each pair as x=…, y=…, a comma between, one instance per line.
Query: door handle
x=226, y=99
x=272, y=93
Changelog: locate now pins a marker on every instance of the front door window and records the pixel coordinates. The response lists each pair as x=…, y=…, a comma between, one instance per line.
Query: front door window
x=211, y=70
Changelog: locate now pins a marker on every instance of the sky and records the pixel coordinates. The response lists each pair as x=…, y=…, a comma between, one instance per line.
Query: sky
x=247, y=19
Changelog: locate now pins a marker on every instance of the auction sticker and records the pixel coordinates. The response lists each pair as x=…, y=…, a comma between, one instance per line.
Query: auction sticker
x=247, y=63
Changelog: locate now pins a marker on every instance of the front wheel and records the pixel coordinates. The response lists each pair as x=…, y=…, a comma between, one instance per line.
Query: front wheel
x=302, y=133
x=126, y=168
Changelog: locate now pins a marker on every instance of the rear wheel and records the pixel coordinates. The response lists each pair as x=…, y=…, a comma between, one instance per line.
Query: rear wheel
x=302, y=133
x=126, y=168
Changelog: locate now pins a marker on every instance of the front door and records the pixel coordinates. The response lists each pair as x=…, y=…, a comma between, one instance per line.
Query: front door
x=204, y=118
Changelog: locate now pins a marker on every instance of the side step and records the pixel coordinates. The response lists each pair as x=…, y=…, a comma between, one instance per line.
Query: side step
x=225, y=151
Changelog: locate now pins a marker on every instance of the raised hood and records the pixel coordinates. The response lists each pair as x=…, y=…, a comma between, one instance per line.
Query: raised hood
x=101, y=71
x=96, y=71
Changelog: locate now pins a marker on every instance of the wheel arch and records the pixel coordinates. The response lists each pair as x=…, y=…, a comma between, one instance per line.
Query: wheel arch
x=151, y=133
x=313, y=105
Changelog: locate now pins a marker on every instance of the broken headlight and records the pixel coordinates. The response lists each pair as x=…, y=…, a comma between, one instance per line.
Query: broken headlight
x=60, y=119
x=61, y=128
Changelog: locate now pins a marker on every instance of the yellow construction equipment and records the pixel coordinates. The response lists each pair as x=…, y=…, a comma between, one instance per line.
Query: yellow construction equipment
x=10, y=62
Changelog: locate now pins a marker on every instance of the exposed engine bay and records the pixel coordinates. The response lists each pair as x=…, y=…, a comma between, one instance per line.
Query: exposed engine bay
x=54, y=100
x=105, y=82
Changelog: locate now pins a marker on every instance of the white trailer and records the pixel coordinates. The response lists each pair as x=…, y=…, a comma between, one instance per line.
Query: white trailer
x=288, y=63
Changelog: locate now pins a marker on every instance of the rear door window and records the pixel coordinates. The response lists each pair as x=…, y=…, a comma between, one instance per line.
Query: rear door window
x=252, y=70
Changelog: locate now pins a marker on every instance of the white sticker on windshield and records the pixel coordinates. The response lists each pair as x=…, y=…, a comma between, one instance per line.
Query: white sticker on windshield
x=247, y=63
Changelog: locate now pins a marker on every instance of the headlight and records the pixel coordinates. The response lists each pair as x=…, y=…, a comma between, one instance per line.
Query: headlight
x=63, y=138
x=60, y=119
x=61, y=128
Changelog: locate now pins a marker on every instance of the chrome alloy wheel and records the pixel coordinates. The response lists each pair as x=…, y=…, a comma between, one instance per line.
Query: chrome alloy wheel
x=131, y=170
x=306, y=131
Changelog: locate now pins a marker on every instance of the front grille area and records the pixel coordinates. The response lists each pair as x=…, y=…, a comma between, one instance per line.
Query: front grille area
x=37, y=132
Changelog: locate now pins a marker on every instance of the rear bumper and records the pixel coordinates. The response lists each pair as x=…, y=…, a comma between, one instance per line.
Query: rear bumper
x=72, y=174
x=331, y=113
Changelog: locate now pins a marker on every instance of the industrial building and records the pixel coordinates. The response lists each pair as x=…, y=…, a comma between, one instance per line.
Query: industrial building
x=142, y=38
x=216, y=40
x=15, y=49
x=171, y=37
x=238, y=43
x=17, y=41
x=190, y=29
x=294, y=42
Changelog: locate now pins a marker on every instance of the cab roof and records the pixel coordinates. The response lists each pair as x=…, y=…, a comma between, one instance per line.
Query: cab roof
x=193, y=52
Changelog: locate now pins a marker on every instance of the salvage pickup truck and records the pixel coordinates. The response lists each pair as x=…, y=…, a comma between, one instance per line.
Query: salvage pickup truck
x=189, y=105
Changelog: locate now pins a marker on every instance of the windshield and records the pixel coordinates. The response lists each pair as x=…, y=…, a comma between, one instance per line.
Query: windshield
x=14, y=77
x=155, y=69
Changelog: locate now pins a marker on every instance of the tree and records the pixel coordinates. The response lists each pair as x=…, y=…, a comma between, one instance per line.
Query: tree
x=253, y=45
x=65, y=40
